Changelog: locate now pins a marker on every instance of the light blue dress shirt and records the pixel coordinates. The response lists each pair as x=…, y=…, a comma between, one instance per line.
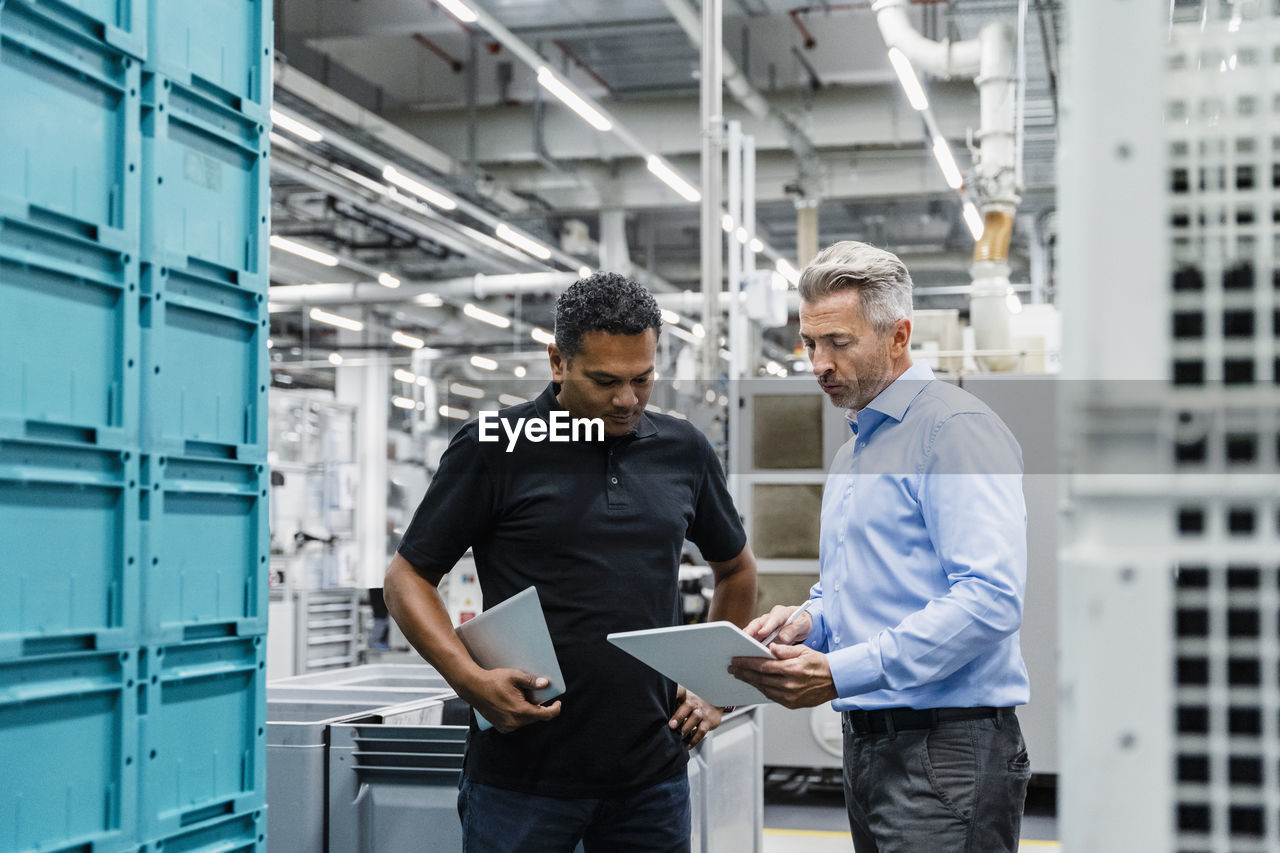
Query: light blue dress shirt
x=923, y=555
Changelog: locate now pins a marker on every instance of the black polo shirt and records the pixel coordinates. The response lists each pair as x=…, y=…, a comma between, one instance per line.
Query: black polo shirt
x=597, y=527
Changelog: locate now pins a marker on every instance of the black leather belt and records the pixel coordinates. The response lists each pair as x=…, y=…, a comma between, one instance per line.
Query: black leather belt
x=890, y=720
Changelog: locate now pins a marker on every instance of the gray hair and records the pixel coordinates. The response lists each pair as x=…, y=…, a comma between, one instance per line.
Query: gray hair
x=881, y=279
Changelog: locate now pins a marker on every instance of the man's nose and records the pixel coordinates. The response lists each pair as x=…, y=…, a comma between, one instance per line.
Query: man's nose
x=625, y=398
x=821, y=364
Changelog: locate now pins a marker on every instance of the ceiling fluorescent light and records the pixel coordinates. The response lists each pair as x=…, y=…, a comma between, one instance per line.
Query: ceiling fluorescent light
x=483, y=363
x=515, y=238
x=973, y=219
x=910, y=82
x=573, y=100
x=757, y=245
x=475, y=312
x=741, y=235
x=336, y=320
x=465, y=390
x=294, y=248
x=456, y=414
x=386, y=279
x=726, y=222
x=950, y=171
x=584, y=272
x=406, y=340
x=542, y=336
x=520, y=371
x=672, y=179
x=511, y=399
x=670, y=317
x=295, y=127
x=405, y=376
x=699, y=331
x=421, y=190
x=403, y=403
x=459, y=10
x=335, y=358
x=788, y=271
x=430, y=300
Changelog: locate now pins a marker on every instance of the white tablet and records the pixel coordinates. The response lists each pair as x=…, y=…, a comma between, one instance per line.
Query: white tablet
x=514, y=634
x=698, y=657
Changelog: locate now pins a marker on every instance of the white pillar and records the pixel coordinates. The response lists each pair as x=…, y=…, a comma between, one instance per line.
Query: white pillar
x=367, y=386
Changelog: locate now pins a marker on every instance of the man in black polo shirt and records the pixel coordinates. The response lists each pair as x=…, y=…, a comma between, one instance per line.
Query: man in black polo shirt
x=597, y=527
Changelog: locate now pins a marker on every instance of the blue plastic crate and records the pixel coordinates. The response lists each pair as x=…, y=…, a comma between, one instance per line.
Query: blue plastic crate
x=68, y=738
x=69, y=578
x=219, y=47
x=122, y=25
x=205, y=547
x=205, y=184
x=240, y=834
x=205, y=368
x=70, y=144
x=202, y=733
x=69, y=337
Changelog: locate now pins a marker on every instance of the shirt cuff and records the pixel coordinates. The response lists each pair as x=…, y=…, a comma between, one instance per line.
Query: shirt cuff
x=817, y=638
x=855, y=670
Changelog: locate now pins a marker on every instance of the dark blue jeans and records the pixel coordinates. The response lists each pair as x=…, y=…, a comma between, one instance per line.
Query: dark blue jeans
x=957, y=788
x=651, y=820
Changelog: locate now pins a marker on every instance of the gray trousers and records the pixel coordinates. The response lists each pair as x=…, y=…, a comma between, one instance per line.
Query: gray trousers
x=956, y=788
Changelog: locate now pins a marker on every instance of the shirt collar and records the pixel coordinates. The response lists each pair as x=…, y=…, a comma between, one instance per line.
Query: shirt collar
x=547, y=402
x=894, y=400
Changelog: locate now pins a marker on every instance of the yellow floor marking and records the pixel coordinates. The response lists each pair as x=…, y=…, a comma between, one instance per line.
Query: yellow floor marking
x=809, y=833
x=827, y=833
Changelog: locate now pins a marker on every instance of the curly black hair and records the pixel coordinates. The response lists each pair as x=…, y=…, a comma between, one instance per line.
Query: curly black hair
x=603, y=302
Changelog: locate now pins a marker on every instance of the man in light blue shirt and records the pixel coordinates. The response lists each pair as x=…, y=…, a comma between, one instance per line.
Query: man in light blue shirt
x=912, y=629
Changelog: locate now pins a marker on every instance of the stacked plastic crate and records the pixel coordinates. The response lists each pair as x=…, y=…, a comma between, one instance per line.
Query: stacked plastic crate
x=133, y=481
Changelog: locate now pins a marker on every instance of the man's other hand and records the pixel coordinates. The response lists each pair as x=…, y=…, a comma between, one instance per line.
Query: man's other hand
x=694, y=718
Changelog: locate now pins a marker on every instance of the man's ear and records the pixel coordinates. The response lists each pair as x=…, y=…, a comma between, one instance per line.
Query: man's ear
x=901, y=338
x=559, y=364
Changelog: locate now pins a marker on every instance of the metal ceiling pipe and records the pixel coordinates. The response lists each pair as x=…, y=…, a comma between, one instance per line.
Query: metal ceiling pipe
x=940, y=58
x=990, y=59
x=476, y=287
x=746, y=94
x=997, y=186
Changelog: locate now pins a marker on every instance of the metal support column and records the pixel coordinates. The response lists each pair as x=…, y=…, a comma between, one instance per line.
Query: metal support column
x=712, y=170
x=367, y=386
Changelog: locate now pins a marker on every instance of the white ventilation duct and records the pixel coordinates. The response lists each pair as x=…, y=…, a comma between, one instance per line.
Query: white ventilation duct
x=990, y=59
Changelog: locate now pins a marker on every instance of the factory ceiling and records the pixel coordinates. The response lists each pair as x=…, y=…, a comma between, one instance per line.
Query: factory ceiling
x=404, y=82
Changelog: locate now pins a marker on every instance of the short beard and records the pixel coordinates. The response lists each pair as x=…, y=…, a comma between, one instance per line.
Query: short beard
x=867, y=390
